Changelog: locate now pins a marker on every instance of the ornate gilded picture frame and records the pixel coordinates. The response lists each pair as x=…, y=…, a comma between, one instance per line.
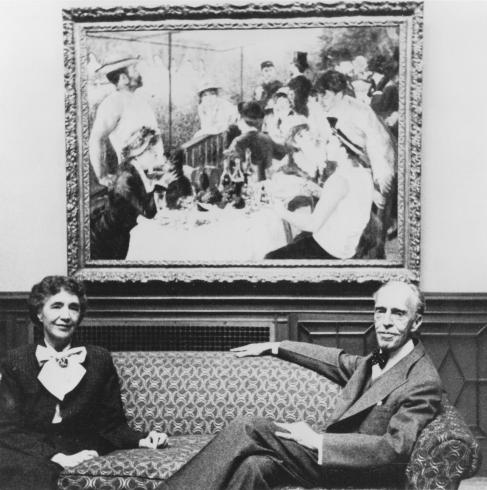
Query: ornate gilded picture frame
x=263, y=142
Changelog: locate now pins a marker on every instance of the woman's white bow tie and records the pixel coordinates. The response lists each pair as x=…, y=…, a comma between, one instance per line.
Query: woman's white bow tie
x=76, y=354
x=61, y=371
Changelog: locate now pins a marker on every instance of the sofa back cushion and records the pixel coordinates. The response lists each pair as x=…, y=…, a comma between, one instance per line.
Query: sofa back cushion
x=201, y=392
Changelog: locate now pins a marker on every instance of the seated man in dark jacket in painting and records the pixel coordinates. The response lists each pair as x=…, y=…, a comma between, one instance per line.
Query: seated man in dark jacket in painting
x=260, y=145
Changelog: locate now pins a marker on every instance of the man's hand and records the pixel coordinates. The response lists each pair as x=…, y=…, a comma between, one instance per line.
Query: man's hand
x=154, y=440
x=69, y=461
x=254, y=349
x=300, y=432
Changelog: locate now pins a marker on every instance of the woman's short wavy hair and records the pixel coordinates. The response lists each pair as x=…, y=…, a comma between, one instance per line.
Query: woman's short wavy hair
x=49, y=286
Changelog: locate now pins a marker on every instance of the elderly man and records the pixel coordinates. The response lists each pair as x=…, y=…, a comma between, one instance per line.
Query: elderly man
x=387, y=399
x=118, y=116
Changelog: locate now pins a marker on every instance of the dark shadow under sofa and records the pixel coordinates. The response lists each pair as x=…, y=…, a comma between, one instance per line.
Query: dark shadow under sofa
x=193, y=395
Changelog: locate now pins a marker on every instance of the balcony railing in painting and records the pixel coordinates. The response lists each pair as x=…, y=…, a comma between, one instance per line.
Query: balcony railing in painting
x=206, y=150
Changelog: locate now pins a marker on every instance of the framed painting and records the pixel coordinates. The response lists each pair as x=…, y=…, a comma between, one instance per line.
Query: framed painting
x=263, y=142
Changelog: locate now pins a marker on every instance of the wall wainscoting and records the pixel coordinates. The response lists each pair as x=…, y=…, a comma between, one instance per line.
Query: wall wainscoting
x=454, y=330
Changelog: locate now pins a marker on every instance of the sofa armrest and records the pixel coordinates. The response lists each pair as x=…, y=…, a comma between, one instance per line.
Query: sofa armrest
x=445, y=453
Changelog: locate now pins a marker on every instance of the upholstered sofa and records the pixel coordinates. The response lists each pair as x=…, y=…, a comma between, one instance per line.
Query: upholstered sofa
x=193, y=395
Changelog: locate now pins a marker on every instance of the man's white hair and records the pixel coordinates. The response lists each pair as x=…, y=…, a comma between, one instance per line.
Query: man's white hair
x=414, y=290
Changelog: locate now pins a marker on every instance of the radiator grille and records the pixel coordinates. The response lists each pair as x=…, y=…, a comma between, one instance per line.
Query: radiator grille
x=174, y=337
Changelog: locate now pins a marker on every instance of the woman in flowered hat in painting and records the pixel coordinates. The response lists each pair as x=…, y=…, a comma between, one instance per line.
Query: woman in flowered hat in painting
x=132, y=194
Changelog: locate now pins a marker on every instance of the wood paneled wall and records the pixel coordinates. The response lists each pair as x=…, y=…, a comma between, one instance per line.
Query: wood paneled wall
x=454, y=329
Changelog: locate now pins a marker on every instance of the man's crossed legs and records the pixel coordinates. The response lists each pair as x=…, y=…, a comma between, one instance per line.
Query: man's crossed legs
x=248, y=455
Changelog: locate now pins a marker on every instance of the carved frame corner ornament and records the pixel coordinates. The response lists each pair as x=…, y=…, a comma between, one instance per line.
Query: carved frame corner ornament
x=407, y=16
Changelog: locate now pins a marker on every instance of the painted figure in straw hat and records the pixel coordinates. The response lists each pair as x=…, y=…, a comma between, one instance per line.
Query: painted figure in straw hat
x=215, y=113
x=118, y=116
x=364, y=127
x=131, y=194
x=343, y=208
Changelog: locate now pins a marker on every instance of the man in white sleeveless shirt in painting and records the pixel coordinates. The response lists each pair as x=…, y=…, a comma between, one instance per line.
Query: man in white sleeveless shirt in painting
x=118, y=116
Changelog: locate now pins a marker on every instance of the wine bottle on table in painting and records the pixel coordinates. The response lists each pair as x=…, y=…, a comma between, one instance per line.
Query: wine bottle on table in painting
x=238, y=179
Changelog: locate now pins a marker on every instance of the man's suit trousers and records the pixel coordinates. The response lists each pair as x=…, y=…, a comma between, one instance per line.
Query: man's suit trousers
x=248, y=455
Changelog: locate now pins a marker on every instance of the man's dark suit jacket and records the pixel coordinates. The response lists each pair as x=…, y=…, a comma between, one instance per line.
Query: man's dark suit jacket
x=378, y=426
x=301, y=87
x=268, y=90
x=92, y=414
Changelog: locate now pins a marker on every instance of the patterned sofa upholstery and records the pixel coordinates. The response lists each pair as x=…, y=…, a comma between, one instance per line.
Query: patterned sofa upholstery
x=192, y=395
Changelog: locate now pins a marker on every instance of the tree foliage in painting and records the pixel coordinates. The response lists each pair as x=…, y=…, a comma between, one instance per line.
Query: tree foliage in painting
x=343, y=44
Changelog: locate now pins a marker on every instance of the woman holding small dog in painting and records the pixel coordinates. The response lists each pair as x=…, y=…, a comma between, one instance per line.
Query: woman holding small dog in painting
x=139, y=186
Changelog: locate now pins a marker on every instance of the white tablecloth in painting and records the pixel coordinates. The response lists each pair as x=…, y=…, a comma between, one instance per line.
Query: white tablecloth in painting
x=217, y=235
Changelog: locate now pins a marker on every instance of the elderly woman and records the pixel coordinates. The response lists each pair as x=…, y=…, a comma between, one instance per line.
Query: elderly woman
x=130, y=195
x=59, y=402
x=342, y=212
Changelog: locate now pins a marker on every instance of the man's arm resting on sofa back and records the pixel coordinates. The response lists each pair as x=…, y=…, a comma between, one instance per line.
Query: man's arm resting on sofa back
x=333, y=363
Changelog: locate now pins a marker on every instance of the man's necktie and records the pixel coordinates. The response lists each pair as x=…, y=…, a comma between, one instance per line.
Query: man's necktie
x=380, y=358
